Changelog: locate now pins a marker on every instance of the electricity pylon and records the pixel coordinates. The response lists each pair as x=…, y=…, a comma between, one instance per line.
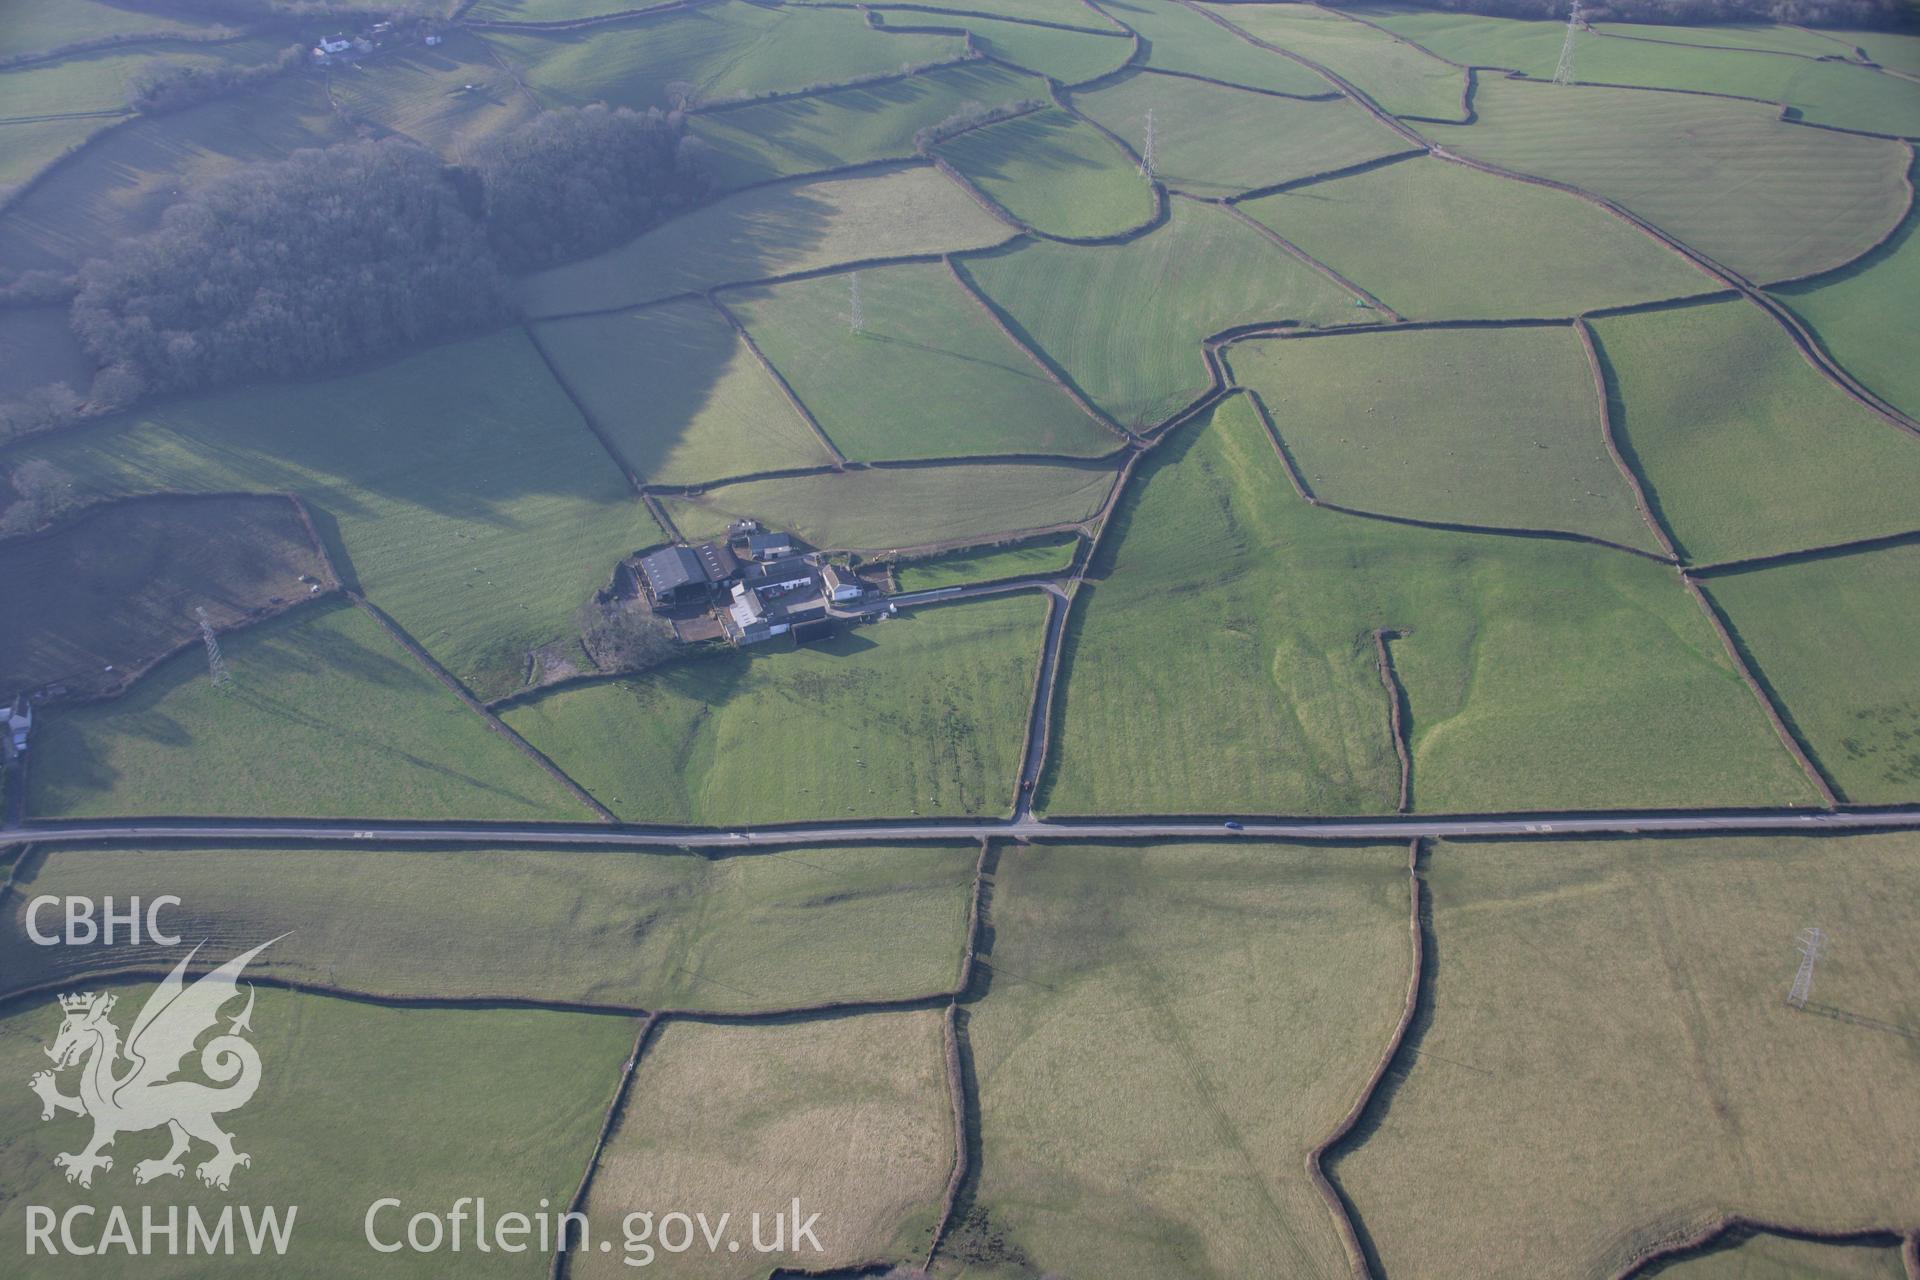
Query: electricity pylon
x=1811, y=943
x=216, y=665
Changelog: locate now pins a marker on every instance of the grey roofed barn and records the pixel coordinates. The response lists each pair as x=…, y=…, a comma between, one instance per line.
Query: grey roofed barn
x=671, y=570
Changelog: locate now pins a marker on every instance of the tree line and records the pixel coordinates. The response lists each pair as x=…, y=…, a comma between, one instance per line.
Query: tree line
x=332, y=255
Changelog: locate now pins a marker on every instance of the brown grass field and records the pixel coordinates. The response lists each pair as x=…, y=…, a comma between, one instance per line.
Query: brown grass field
x=115, y=589
x=1609, y=1063
x=850, y=1115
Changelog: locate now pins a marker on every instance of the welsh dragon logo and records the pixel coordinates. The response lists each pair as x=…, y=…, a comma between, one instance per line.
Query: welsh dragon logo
x=131, y=1088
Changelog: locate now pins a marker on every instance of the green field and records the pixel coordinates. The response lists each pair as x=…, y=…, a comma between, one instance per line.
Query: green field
x=1769, y=199
x=1743, y=35
x=1137, y=353
x=37, y=347
x=123, y=182
x=458, y=486
x=928, y=374
x=554, y=10
x=1718, y=60
x=774, y=231
x=120, y=587
x=1611, y=1063
x=1223, y=662
x=717, y=51
x=884, y=510
x=1212, y=140
x=1863, y=313
x=1771, y=1257
x=1472, y=426
x=1833, y=639
x=446, y=98
x=39, y=26
x=1040, y=556
x=609, y=926
x=1400, y=78
x=1440, y=241
x=49, y=108
x=356, y=1103
x=920, y=714
x=791, y=136
x=1054, y=173
x=1746, y=449
x=26, y=149
x=1890, y=49
x=851, y=1115
x=1071, y=57
x=326, y=717
x=1071, y=13
x=1169, y=1031
x=1183, y=39
x=678, y=394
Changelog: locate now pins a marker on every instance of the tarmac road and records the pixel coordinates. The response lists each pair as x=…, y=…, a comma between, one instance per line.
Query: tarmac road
x=884, y=831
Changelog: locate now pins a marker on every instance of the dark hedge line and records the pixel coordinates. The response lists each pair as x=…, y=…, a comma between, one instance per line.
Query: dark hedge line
x=1879, y=14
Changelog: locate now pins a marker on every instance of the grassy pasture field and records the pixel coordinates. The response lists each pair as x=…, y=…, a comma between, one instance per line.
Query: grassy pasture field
x=1071, y=57
x=849, y=1114
x=1137, y=353
x=761, y=931
x=1402, y=79
x=1041, y=555
x=1862, y=313
x=925, y=714
x=928, y=375
x=354, y=1104
x=723, y=50
x=1222, y=662
x=120, y=185
x=772, y=231
x=458, y=486
x=763, y=140
x=1771, y=1257
x=1441, y=241
x=100, y=79
x=40, y=26
x=1746, y=449
x=1055, y=173
x=678, y=393
x=1774, y=37
x=327, y=717
x=37, y=347
x=1213, y=140
x=1834, y=640
x=28, y=148
x=422, y=93
x=118, y=587
x=1070, y=13
x=1769, y=199
x=1611, y=1063
x=1890, y=49
x=1183, y=39
x=881, y=510
x=1174, y=1028
x=555, y=10
x=1707, y=59
x=1475, y=426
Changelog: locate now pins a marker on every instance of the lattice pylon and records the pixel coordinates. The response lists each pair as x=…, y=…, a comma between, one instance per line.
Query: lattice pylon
x=216, y=664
